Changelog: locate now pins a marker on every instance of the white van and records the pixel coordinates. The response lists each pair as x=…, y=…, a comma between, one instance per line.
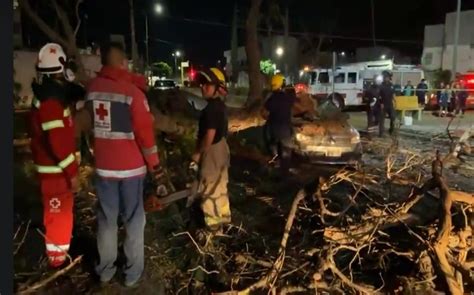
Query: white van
x=351, y=80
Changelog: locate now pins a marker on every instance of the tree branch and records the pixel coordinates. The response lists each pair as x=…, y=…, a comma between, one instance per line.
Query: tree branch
x=62, y=15
x=44, y=27
x=78, y=25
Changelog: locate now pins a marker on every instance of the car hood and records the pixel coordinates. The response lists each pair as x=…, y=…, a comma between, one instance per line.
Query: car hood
x=321, y=136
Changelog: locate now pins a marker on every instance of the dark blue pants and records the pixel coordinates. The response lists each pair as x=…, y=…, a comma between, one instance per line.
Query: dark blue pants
x=122, y=198
x=278, y=140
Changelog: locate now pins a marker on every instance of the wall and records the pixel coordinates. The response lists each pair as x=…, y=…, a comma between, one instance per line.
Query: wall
x=466, y=28
x=439, y=40
x=465, y=58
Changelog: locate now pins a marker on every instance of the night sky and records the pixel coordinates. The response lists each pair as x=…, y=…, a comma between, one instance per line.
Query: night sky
x=181, y=27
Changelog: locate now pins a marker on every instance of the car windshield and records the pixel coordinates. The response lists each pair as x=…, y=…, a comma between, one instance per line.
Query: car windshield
x=164, y=83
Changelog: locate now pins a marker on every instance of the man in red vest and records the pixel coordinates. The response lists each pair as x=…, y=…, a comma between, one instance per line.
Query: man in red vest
x=124, y=150
x=53, y=147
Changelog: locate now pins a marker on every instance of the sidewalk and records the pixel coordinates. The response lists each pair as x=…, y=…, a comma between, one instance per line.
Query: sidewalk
x=429, y=125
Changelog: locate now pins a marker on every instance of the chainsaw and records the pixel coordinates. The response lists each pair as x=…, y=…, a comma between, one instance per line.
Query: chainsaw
x=157, y=196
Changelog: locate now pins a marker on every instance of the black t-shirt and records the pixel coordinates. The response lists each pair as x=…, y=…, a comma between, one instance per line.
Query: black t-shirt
x=213, y=116
x=279, y=106
x=386, y=93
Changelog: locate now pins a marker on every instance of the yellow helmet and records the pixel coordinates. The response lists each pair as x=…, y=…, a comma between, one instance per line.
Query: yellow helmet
x=277, y=81
x=212, y=75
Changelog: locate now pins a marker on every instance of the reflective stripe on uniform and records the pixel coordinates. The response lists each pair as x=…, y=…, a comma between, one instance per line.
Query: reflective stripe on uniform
x=66, y=112
x=105, y=96
x=49, y=169
x=66, y=162
x=57, y=248
x=216, y=220
x=113, y=135
x=150, y=151
x=57, y=258
x=52, y=125
x=121, y=173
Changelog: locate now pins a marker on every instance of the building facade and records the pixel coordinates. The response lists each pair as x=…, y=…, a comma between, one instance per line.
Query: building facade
x=438, y=44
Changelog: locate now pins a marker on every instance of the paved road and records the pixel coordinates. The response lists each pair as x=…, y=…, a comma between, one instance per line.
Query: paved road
x=429, y=124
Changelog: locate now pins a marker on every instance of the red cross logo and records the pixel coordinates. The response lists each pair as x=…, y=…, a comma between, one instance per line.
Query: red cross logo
x=101, y=112
x=55, y=203
x=52, y=50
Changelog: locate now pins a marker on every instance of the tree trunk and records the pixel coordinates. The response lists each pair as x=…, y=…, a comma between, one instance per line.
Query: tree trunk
x=133, y=40
x=253, y=54
x=234, y=47
x=286, y=24
x=68, y=42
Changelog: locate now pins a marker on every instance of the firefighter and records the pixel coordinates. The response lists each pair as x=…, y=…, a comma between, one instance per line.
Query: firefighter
x=278, y=128
x=211, y=157
x=53, y=147
x=124, y=150
x=385, y=104
x=371, y=97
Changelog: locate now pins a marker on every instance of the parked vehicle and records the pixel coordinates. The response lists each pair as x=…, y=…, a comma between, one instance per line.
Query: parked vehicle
x=165, y=84
x=351, y=80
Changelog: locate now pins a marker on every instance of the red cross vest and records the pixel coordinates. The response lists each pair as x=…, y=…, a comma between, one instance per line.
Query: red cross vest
x=52, y=139
x=124, y=141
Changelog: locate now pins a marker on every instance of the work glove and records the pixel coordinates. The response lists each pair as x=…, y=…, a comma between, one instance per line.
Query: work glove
x=193, y=169
x=159, y=180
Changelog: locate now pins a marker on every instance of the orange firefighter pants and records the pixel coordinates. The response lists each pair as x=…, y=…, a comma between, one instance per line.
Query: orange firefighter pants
x=58, y=203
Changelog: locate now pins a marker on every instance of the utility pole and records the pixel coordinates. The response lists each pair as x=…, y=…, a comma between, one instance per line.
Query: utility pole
x=373, y=21
x=234, y=46
x=456, y=40
x=132, y=36
x=146, y=40
x=287, y=29
x=333, y=74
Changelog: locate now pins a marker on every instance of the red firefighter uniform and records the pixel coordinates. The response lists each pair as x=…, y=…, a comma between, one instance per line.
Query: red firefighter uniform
x=124, y=143
x=53, y=147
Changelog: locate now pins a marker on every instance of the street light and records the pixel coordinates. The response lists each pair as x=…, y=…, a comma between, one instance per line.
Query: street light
x=383, y=56
x=159, y=11
x=279, y=51
x=176, y=54
x=158, y=8
x=343, y=53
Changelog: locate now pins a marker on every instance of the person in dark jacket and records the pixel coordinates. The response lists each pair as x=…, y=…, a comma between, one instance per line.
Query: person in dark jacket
x=438, y=92
x=371, y=96
x=211, y=157
x=421, y=89
x=461, y=99
x=385, y=104
x=278, y=128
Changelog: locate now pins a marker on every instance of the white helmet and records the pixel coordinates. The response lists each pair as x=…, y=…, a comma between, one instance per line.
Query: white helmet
x=378, y=79
x=51, y=59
